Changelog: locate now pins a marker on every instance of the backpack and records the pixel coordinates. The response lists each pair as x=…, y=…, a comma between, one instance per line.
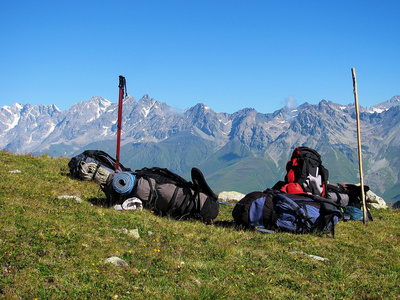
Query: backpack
x=354, y=213
x=93, y=165
x=279, y=211
x=306, y=214
x=349, y=197
x=345, y=194
x=166, y=193
x=255, y=210
x=305, y=172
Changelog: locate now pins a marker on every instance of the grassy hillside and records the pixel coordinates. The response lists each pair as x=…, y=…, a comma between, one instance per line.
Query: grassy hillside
x=56, y=249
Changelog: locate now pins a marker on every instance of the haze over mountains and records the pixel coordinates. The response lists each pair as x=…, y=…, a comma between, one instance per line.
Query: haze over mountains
x=243, y=151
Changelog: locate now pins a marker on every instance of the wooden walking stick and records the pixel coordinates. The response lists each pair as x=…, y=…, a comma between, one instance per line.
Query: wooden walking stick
x=353, y=71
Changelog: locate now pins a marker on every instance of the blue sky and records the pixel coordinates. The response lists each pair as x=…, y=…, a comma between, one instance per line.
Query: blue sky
x=226, y=54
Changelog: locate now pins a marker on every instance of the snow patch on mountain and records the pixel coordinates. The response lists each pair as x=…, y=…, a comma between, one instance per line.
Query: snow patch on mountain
x=13, y=123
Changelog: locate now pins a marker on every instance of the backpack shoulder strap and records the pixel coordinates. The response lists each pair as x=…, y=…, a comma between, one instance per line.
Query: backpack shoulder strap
x=200, y=185
x=104, y=159
x=329, y=210
x=303, y=222
x=299, y=210
x=163, y=175
x=328, y=203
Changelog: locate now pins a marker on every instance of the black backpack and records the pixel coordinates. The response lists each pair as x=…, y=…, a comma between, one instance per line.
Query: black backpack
x=347, y=195
x=305, y=171
x=99, y=162
x=167, y=193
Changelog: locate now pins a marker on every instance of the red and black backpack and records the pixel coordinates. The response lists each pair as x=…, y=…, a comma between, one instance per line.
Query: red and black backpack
x=305, y=173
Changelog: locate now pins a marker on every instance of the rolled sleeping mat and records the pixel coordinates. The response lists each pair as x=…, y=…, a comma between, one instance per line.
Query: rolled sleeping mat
x=123, y=183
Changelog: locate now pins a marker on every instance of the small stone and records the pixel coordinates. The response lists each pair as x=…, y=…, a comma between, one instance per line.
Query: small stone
x=118, y=207
x=310, y=255
x=15, y=171
x=116, y=261
x=77, y=199
x=134, y=233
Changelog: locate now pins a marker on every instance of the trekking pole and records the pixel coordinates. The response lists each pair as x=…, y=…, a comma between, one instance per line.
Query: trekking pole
x=353, y=71
x=122, y=88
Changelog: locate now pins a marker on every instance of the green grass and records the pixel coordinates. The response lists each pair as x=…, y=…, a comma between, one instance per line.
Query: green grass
x=56, y=249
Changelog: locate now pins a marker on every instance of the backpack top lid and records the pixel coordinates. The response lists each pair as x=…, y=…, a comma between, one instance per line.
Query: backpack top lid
x=305, y=168
x=304, y=158
x=104, y=159
x=306, y=152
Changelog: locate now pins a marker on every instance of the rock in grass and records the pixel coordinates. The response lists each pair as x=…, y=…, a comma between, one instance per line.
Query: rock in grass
x=310, y=255
x=375, y=201
x=77, y=199
x=116, y=261
x=14, y=171
x=230, y=196
x=132, y=232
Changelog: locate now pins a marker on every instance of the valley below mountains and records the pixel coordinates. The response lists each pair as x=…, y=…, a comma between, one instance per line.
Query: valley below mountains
x=244, y=151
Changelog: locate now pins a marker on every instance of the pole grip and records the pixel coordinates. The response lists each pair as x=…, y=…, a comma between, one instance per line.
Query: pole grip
x=122, y=82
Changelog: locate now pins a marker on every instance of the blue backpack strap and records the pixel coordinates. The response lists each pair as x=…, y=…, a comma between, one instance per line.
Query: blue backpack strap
x=256, y=212
x=330, y=212
x=292, y=204
x=303, y=222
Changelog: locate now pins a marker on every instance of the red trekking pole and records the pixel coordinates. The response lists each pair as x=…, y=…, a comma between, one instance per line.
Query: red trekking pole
x=122, y=89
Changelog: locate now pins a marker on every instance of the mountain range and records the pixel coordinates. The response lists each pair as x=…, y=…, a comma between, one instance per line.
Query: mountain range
x=243, y=151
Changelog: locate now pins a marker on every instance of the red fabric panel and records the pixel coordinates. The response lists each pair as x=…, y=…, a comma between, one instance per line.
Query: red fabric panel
x=292, y=188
